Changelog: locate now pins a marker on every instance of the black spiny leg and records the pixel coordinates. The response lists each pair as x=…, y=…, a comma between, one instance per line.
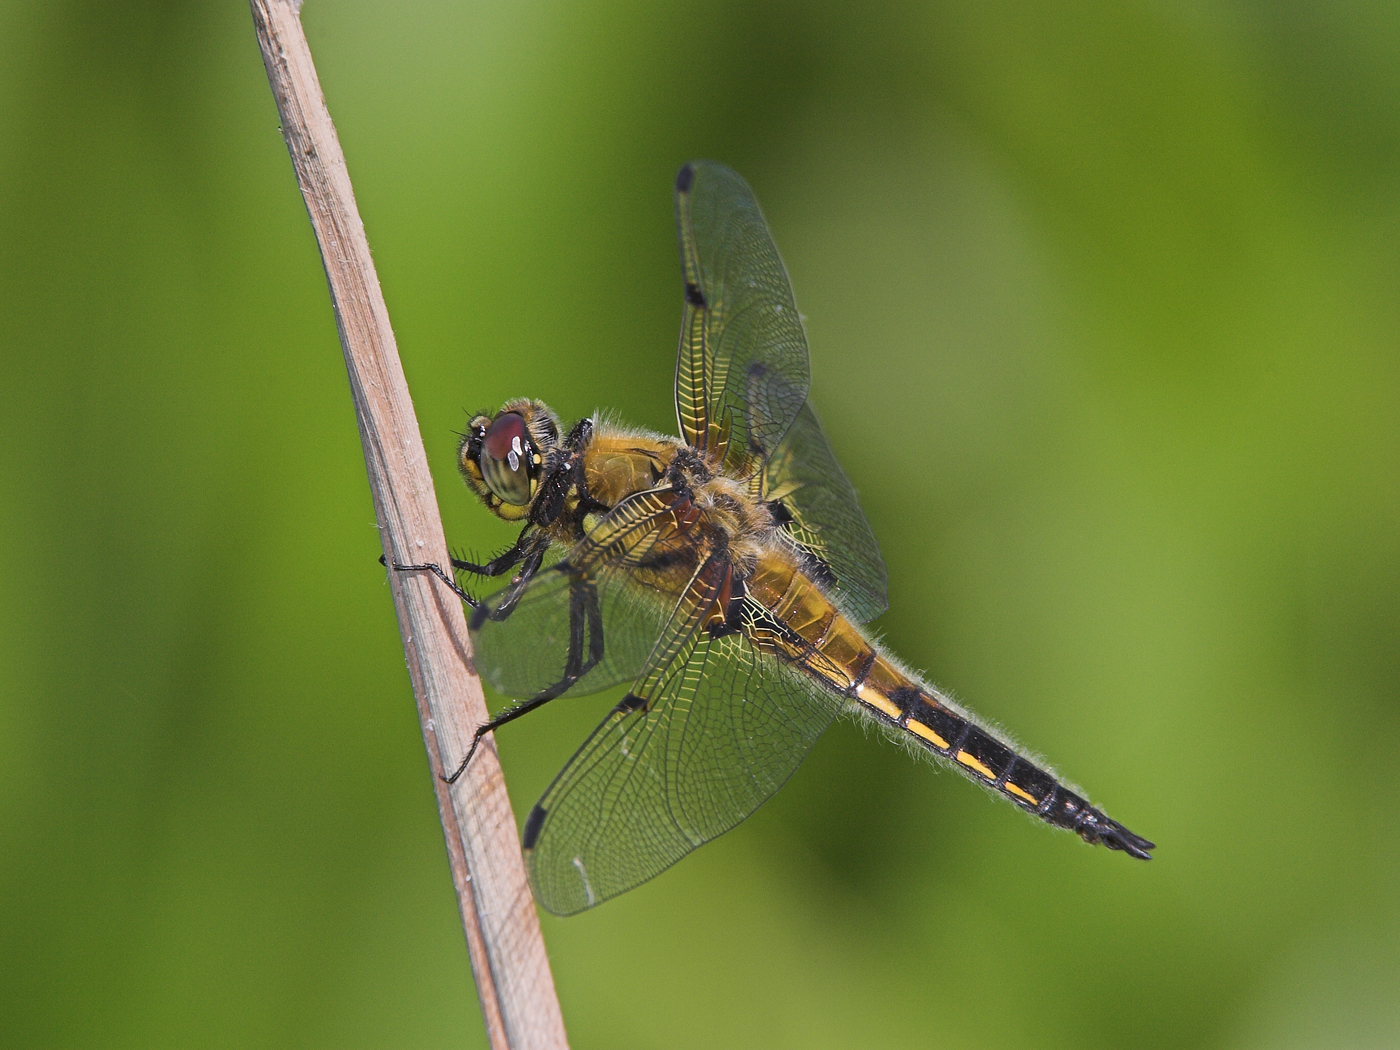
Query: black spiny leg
x=532, y=560
x=529, y=546
x=501, y=563
x=436, y=570
x=585, y=618
x=510, y=714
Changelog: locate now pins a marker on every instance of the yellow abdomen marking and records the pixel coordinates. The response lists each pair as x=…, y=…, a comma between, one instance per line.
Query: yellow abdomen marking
x=878, y=700
x=973, y=764
x=1019, y=793
x=919, y=729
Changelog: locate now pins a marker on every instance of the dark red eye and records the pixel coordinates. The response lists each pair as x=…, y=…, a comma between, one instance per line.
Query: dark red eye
x=504, y=436
x=507, y=458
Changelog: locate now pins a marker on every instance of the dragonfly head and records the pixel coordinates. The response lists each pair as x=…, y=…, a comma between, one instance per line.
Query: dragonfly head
x=504, y=456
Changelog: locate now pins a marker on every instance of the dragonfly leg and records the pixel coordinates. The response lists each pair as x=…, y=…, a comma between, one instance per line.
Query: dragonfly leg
x=529, y=547
x=587, y=620
x=585, y=632
x=510, y=714
x=436, y=570
x=585, y=626
x=503, y=562
x=533, y=559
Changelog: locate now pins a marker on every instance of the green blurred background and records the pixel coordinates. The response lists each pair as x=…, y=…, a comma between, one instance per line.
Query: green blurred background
x=1103, y=312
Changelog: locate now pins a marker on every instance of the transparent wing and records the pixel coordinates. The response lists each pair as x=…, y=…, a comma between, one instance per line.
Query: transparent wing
x=590, y=620
x=598, y=631
x=726, y=726
x=821, y=513
x=741, y=372
x=742, y=377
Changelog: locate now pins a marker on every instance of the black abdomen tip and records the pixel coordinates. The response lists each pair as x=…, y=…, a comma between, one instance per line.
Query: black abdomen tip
x=1116, y=836
x=1095, y=828
x=684, y=178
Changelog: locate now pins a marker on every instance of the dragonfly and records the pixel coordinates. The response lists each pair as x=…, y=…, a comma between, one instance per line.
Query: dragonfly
x=726, y=574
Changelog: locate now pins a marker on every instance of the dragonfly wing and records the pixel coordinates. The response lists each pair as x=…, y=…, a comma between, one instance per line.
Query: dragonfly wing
x=713, y=728
x=593, y=616
x=604, y=624
x=821, y=514
x=742, y=371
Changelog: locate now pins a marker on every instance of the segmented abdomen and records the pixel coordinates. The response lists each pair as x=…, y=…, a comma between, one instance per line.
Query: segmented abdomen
x=813, y=634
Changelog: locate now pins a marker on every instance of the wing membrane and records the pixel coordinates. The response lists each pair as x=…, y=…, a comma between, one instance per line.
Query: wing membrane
x=596, y=613
x=530, y=652
x=742, y=378
x=827, y=522
x=741, y=371
x=727, y=725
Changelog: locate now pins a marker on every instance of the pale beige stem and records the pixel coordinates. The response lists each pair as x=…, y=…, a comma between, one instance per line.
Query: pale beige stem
x=503, y=933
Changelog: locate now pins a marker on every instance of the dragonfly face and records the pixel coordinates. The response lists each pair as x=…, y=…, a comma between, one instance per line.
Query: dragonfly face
x=725, y=574
x=504, y=457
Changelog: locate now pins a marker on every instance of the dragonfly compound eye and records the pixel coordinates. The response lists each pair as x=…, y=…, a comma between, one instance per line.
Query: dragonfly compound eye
x=507, y=459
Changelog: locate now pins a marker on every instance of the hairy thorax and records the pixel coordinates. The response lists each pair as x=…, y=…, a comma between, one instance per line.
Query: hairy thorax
x=709, y=504
x=619, y=462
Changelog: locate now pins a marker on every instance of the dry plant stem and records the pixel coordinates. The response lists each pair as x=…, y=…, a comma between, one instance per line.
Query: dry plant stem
x=498, y=912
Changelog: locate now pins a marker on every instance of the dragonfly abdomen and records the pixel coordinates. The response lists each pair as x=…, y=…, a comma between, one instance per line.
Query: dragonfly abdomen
x=816, y=636
x=896, y=699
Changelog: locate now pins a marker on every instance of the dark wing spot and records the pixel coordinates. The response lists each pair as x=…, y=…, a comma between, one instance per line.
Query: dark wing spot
x=479, y=615
x=630, y=702
x=684, y=178
x=663, y=561
x=532, y=827
x=777, y=509
x=693, y=295
x=816, y=567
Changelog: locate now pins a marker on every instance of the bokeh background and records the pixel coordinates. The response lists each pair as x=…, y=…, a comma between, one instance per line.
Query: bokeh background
x=1102, y=299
